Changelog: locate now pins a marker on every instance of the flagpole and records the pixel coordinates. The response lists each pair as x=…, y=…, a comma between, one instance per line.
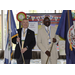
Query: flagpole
x=7, y=25
x=68, y=18
x=69, y=27
x=21, y=53
x=8, y=21
x=50, y=50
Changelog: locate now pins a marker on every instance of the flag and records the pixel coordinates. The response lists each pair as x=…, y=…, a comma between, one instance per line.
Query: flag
x=11, y=33
x=66, y=30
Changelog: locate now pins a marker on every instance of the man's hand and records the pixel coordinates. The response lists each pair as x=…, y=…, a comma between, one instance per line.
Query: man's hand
x=23, y=50
x=54, y=40
x=18, y=39
x=47, y=53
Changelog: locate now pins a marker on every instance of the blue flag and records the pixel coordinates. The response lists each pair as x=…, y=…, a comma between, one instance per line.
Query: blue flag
x=66, y=30
x=11, y=33
x=13, y=26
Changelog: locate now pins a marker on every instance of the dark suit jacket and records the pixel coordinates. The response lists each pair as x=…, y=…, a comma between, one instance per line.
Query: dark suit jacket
x=29, y=41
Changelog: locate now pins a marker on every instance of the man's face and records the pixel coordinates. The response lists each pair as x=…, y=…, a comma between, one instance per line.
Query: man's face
x=47, y=22
x=25, y=23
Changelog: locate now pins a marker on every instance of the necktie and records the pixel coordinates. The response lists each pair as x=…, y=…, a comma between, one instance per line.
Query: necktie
x=48, y=33
x=49, y=40
x=23, y=40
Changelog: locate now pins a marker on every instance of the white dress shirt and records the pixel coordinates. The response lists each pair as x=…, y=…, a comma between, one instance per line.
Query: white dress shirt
x=47, y=27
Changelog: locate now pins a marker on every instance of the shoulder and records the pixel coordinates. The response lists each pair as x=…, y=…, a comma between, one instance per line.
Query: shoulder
x=53, y=27
x=42, y=28
x=29, y=30
x=19, y=29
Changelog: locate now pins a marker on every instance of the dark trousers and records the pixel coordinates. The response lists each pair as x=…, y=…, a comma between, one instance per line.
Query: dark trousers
x=20, y=61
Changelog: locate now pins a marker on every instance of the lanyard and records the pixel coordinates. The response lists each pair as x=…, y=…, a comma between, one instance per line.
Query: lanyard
x=49, y=36
x=23, y=32
x=23, y=38
x=49, y=32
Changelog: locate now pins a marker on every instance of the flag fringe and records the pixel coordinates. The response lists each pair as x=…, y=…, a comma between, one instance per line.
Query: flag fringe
x=14, y=36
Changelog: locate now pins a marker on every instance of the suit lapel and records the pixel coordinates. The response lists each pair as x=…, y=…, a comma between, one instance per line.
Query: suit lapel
x=52, y=32
x=20, y=33
x=26, y=35
x=44, y=31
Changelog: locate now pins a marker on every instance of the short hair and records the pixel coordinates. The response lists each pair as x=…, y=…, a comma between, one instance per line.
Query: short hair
x=25, y=19
x=46, y=18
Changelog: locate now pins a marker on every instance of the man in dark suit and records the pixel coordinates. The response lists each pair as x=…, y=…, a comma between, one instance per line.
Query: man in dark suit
x=27, y=40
